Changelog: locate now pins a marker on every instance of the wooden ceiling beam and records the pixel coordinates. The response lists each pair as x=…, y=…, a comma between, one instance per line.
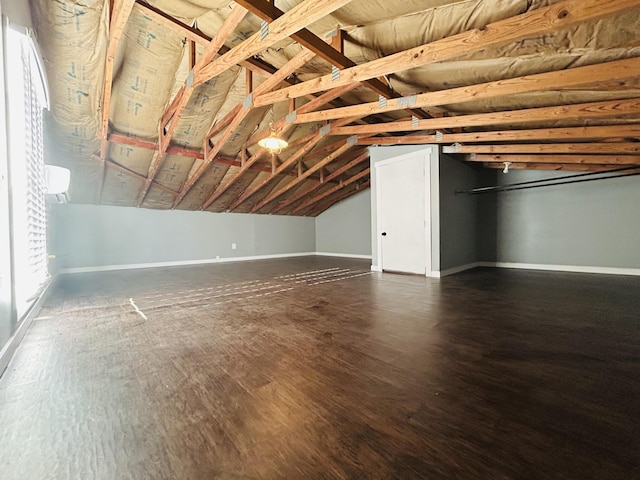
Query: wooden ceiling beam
x=183, y=152
x=268, y=12
x=119, y=15
x=331, y=201
x=562, y=79
x=620, y=148
x=580, y=111
x=530, y=24
x=194, y=35
x=558, y=159
x=558, y=134
x=349, y=165
x=281, y=127
x=127, y=171
x=332, y=190
x=317, y=102
x=302, y=14
x=222, y=188
x=345, y=145
x=289, y=162
x=171, y=117
x=210, y=152
x=149, y=145
x=566, y=167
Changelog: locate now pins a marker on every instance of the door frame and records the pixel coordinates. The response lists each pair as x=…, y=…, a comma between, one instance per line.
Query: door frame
x=426, y=155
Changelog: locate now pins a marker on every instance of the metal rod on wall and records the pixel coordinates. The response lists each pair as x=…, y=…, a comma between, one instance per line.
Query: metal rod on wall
x=544, y=182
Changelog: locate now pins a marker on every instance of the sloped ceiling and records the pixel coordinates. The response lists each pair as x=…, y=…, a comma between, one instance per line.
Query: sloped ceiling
x=161, y=104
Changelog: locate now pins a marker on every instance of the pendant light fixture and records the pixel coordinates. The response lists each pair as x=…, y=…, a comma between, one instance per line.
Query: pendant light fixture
x=273, y=143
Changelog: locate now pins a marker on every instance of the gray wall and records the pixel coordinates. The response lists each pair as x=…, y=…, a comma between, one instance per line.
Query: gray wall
x=91, y=235
x=346, y=227
x=458, y=214
x=381, y=153
x=585, y=224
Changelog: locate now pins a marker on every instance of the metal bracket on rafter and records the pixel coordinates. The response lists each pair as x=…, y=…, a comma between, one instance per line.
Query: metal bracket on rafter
x=352, y=140
x=407, y=102
x=190, y=77
x=324, y=131
x=248, y=101
x=415, y=121
x=382, y=102
x=335, y=73
x=264, y=30
x=455, y=148
x=290, y=118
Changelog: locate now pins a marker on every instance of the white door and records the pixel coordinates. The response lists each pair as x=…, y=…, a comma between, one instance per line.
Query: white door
x=401, y=185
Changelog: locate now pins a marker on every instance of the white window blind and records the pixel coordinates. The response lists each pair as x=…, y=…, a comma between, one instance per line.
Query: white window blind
x=27, y=169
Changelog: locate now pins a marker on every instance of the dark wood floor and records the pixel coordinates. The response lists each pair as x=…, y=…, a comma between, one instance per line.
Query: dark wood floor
x=259, y=370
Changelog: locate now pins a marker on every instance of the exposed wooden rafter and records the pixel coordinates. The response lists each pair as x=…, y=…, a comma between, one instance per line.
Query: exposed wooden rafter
x=302, y=14
x=299, y=195
x=562, y=79
x=345, y=145
x=171, y=117
x=566, y=167
x=332, y=190
x=196, y=36
x=557, y=159
x=337, y=197
x=335, y=56
x=620, y=148
x=211, y=152
x=288, y=163
x=537, y=22
x=538, y=134
x=248, y=163
x=120, y=12
x=581, y=111
x=185, y=152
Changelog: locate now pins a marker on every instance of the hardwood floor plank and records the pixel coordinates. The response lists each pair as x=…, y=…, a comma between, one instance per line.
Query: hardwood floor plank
x=317, y=368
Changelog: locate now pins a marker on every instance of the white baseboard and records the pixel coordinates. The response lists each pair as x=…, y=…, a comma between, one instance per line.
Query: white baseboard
x=130, y=266
x=458, y=269
x=374, y=268
x=564, y=268
x=12, y=344
x=343, y=255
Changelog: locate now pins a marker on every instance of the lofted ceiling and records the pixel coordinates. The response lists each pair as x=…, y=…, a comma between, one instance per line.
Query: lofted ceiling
x=161, y=104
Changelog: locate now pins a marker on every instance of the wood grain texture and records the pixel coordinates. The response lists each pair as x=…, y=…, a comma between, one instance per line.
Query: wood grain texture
x=557, y=158
x=562, y=133
x=606, y=109
x=561, y=79
x=338, y=373
x=531, y=24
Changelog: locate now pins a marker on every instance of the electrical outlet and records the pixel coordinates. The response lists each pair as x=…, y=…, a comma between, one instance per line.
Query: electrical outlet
x=233, y=246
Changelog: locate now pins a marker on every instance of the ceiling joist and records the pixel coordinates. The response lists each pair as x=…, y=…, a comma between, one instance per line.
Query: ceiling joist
x=537, y=134
x=119, y=17
x=537, y=22
x=581, y=111
x=557, y=159
x=562, y=79
x=269, y=12
x=299, y=195
x=332, y=190
x=620, y=148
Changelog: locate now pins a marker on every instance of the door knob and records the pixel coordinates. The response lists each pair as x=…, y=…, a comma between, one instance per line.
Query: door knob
x=384, y=234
